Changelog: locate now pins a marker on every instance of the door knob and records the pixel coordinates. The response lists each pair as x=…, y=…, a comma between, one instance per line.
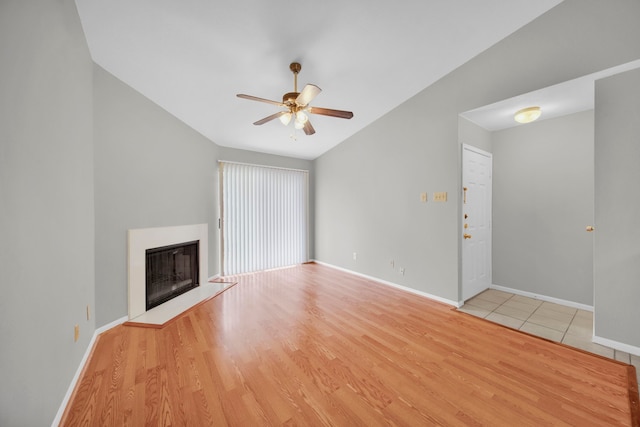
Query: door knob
x=466, y=236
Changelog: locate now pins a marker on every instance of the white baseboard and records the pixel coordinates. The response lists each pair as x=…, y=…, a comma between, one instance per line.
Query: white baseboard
x=394, y=285
x=543, y=298
x=616, y=345
x=85, y=358
x=108, y=326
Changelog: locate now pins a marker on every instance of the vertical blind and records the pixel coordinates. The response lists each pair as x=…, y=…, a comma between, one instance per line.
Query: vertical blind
x=264, y=217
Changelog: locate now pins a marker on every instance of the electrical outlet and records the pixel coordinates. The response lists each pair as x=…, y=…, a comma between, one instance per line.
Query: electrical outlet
x=76, y=333
x=355, y=256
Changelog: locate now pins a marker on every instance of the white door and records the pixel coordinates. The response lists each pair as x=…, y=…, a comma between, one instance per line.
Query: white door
x=476, y=221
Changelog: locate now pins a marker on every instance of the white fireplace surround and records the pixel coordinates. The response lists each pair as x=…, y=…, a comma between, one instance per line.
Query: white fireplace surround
x=141, y=239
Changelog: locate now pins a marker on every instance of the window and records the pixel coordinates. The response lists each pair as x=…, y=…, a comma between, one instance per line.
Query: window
x=264, y=217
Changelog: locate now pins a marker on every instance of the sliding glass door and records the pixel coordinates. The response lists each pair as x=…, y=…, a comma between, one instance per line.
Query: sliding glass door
x=264, y=217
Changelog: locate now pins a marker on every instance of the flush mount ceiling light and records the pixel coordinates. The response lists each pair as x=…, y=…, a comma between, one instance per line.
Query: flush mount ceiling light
x=527, y=115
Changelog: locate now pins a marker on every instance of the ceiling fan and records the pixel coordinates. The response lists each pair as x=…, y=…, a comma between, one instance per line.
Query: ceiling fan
x=296, y=105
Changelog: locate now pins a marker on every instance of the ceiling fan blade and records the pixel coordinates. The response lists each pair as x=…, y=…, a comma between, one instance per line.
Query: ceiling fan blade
x=308, y=129
x=269, y=118
x=308, y=93
x=329, y=112
x=255, y=98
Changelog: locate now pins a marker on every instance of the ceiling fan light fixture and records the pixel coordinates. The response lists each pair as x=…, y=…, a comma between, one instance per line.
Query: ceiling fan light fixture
x=301, y=117
x=285, y=118
x=527, y=115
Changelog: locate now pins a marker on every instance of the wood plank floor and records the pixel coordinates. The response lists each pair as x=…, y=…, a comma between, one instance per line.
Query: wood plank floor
x=313, y=346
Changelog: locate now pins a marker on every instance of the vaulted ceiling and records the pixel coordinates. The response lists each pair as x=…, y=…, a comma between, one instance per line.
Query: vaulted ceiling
x=192, y=57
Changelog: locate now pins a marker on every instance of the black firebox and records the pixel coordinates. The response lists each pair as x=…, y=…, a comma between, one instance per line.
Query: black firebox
x=171, y=271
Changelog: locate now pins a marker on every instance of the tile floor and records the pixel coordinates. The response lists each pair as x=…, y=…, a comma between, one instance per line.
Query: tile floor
x=556, y=322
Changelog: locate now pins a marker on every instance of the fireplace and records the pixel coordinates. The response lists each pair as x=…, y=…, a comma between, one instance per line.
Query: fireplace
x=170, y=271
x=188, y=275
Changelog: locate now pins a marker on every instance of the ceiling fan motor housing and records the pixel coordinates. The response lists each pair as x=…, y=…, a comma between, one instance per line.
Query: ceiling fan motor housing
x=290, y=98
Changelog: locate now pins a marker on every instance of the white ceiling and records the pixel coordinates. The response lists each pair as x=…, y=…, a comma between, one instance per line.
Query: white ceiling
x=559, y=100
x=191, y=57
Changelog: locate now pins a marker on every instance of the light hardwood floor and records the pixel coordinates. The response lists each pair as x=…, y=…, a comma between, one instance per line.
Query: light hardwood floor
x=313, y=346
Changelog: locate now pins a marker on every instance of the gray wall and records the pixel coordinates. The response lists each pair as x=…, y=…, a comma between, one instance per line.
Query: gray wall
x=367, y=188
x=46, y=206
x=368, y=198
x=151, y=170
x=471, y=134
x=542, y=201
x=617, y=208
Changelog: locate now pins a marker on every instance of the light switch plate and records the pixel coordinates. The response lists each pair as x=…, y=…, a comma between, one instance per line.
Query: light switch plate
x=440, y=196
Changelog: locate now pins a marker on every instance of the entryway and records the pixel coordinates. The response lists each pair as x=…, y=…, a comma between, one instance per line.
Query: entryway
x=556, y=322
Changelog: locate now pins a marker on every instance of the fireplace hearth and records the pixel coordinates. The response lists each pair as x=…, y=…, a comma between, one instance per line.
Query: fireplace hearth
x=179, y=273
x=170, y=271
